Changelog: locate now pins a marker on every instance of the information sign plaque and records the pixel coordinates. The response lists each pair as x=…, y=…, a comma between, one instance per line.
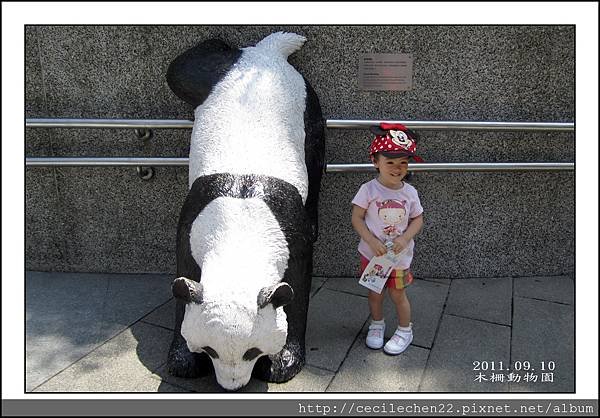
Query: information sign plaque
x=385, y=71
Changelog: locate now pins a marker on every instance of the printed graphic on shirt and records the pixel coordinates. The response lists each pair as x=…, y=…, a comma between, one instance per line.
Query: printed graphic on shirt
x=392, y=213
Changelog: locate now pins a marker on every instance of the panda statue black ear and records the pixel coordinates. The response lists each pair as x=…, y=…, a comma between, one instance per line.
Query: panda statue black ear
x=187, y=290
x=279, y=294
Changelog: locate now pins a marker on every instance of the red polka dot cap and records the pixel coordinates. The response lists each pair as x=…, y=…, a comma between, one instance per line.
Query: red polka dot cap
x=394, y=140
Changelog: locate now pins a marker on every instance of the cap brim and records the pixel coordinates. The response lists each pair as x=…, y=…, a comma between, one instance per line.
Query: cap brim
x=388, y=154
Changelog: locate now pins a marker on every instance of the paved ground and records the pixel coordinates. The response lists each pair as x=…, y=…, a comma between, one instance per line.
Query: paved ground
x=111, y=333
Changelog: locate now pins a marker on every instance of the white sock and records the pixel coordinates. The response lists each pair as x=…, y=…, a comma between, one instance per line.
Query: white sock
x=380, y=322
x=405, y=329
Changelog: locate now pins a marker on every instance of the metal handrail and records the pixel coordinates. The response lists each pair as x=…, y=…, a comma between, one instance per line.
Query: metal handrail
x=331, y=123
x=512, y=166
x=140, y=124
x=110, y=123
x=106, y=161
x=330, y=168
x=457, y=125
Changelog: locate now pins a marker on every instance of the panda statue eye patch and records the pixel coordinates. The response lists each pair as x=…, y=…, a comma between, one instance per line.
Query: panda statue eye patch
x=210, y=352
x=252, y=353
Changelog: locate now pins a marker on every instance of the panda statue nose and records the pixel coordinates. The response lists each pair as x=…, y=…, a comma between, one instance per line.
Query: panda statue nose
x=234, y=385
x=233, y=381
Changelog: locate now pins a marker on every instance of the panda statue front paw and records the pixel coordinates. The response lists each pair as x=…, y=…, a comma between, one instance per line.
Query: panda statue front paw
x=280, y=367
x=184, y=363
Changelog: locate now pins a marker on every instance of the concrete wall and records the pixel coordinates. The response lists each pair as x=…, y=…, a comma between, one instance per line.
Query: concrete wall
x=476, y=224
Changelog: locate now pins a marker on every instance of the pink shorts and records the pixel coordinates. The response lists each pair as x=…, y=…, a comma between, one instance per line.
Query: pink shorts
x=398, y=279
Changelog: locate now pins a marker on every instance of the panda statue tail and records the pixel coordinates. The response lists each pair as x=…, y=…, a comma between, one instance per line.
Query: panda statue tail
x=283, y=43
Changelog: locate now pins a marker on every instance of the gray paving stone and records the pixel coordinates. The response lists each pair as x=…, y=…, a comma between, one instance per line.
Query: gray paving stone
x=347, y=285
x=205, y=384
x=48, y=354
x=61, y=324
x=366, y=370
x=544, y=332
x=553, y=289
x=153, y=383
x=164, y=315
x=310, y=379
x=124, y=363
x=118, y=298
x=129, y=296
x=426, y=303
x=316, y=284
x=70, y=314
x=443, y=281
x=334, y=321
x=459, y=343
x=484, y=299
x=77, y=341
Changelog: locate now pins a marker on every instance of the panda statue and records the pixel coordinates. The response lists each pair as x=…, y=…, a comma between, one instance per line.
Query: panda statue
x=247, y=227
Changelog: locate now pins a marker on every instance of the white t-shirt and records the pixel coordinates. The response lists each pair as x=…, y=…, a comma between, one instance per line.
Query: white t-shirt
x=387, y=216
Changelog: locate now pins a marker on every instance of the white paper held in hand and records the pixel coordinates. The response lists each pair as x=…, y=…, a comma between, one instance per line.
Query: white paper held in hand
x=379, y=269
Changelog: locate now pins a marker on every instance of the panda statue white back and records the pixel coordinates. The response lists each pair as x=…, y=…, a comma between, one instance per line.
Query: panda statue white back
x=246, y=230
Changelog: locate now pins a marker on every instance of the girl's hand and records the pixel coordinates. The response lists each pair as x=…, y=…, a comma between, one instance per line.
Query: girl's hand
x=400, y=243
x=377, y=246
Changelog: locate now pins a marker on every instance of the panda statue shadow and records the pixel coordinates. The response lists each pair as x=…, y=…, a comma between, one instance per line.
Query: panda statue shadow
x=247, y=227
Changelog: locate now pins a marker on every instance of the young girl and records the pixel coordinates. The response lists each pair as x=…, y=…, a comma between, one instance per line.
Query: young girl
x=388, y=210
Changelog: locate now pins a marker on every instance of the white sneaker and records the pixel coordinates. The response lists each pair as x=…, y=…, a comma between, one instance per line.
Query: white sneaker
x=399, y=341
x=375, y=336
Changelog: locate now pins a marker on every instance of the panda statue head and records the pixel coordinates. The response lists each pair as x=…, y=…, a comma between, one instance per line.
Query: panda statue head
x=233, y=333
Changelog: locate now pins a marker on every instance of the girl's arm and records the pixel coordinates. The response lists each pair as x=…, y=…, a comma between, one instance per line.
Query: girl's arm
x=414, y=227
x=359, y=225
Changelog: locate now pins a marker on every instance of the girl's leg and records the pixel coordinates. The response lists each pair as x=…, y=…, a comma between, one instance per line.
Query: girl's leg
x=376, y=305
x=402, y=304
x=377, y=326
x=403, y=335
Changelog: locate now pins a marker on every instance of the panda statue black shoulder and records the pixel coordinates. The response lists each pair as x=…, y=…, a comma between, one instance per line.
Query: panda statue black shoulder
x=247, y=227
